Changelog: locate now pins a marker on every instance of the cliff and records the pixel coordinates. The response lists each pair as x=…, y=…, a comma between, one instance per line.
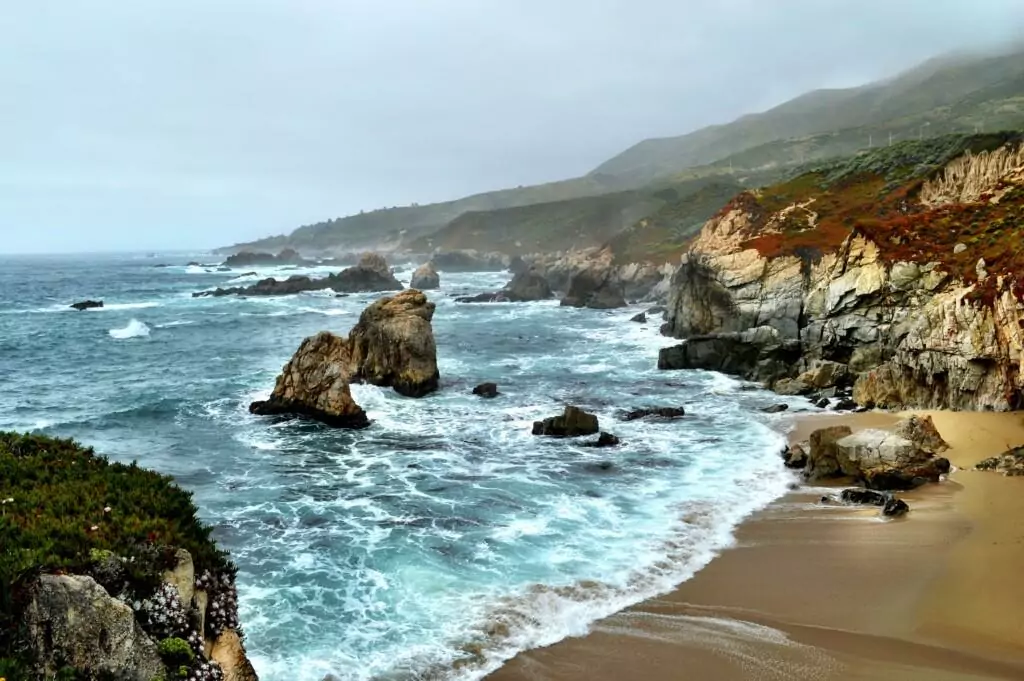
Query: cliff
x=900, y=271
x=106, y=573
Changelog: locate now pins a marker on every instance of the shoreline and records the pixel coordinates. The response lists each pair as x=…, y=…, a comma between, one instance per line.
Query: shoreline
x=817, y=592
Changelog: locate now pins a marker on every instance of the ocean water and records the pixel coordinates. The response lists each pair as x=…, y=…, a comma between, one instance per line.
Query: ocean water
x=444, y=538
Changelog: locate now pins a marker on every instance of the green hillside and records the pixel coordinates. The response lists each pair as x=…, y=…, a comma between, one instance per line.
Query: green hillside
x=942, y=96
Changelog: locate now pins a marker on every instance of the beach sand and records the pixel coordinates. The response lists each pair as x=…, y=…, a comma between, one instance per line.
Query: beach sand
x=816, y=592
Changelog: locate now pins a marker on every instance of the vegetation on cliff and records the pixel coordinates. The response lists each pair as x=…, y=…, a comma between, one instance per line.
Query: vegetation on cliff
x=67, y=510
x=878, y=195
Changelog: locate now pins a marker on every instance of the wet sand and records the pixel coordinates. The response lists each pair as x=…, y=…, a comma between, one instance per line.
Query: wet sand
x=816, y=592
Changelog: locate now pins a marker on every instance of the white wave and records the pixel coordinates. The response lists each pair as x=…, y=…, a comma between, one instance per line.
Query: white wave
x=130, y=306
x=135, y=329
x=177, y=322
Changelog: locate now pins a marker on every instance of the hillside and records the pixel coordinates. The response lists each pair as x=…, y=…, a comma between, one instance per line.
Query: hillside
x=942, y=96
x=578, y=223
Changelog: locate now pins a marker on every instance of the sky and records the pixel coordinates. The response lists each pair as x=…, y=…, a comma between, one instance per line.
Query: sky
x=179, y=124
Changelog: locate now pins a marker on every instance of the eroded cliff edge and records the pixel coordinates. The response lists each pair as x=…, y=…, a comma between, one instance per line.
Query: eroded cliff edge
x=106, y=573
x=900, y=271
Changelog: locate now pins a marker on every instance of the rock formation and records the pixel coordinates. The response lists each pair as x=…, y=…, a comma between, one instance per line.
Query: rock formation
x=248, y=259
x=572, y=423
x=468, y=261
x=87, y=305
x=425, y=277
x=487, y=390
x=371, y=274
x=1010, y=462
x=315, y=384
x=902, y=459
x=662, y=412
x=391, y=345
x=638, y=281
x=597, y=288
x=863, y=281
x=527, y=285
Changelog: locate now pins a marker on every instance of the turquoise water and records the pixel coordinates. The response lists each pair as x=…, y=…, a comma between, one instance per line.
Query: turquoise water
x=445, y=527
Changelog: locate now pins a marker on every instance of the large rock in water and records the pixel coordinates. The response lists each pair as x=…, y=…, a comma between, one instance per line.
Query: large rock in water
x=595, y=287
x=573, y=422
x=315, y=383
x=527, y=285
x=391, y=345
x=71, y=621
x=87, y=305
x=370, y=274
x=758, y=354
x=425, y=277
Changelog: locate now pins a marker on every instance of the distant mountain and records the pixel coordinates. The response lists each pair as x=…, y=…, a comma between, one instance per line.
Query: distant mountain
x=946, y=95
x=959, y=94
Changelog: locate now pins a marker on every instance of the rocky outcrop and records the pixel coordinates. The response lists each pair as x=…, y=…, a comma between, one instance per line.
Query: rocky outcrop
x=907, y=325
x=880, y=459
x=425, y=277
x=488, y=390
x=596, y=288
x=468, y=261
x=391, y=345
x=87, y=305
x=370, y=274
x=604, y=440
x=315, y=384
x=572, y=423
x=661, y=412
x=527, y=285
x=1010, y=462
x=638, y=281
x=249, y=259
x=229, y=653
x=72, y=621
x=270, y=286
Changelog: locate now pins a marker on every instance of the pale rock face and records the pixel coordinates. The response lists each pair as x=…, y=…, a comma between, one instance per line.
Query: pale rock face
x=905, y=331
x=966, y=178
x=183, y=576
x=229, y=653
x=425, y=277
x=73, y=621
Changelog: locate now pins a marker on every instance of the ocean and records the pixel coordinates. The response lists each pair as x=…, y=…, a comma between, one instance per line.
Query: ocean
x=444, y=538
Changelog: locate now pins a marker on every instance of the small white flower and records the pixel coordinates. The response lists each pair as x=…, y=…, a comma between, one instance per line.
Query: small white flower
x=106, y=509
x=94, y=528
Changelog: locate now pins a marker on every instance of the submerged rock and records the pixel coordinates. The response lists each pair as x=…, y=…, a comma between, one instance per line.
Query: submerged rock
x=639, y=318
x=663, y=412
x=391, y=345
x=486, y=390
x=425, y=277
x=604, y=440
x=775, y=408
x=71, y=621
x=87, y=305
x=573, y=422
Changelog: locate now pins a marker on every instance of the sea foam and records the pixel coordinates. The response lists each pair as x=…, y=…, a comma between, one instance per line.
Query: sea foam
x=135, y=329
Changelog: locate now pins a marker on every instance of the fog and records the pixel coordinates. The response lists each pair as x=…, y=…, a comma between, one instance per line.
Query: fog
x=196, y=123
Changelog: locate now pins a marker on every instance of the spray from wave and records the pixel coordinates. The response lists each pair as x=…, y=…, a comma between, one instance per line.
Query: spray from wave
x=135, y=329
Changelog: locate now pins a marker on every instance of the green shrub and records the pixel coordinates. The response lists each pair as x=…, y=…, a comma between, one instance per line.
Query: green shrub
x=176, y=652
x=69, y=510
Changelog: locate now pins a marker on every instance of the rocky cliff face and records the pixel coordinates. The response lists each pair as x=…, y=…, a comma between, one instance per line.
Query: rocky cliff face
x=634, y=281
x=913, y=286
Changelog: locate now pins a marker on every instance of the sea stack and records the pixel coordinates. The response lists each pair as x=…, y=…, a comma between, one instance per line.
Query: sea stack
x=392, y=345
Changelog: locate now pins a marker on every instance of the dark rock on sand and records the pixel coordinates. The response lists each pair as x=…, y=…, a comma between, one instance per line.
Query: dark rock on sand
x=1010, y=462
x=571, y=423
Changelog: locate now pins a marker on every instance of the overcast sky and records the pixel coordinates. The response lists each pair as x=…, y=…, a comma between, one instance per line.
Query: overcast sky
x=151, y=124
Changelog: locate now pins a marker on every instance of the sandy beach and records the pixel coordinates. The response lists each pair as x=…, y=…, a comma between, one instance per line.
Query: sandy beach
x=820, y=592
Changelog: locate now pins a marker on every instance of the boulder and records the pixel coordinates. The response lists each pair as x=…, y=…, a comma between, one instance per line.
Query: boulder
x=663, y=412
x=498, y=297
x=1010, y=462
x=87, y=305
x=639, y=318
x=229, y=653
x=891, y=506
x=775, y=408
x=604, y=440
x=887, y=460
x=824, y=374
x=822, y=455
x=922, y=432
x=315, y=384
x=791, y=387
x=758, y=354
x=425, y=277
x=486, y=390
x=393, y=344
x=822, y=403
x=71, y=621
x=844, y=404
x=895, y=507
x=595, y=287
x=370, y=274
x=527, y=285
x=795, y=456
x=297, y=283
x=571, y=423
